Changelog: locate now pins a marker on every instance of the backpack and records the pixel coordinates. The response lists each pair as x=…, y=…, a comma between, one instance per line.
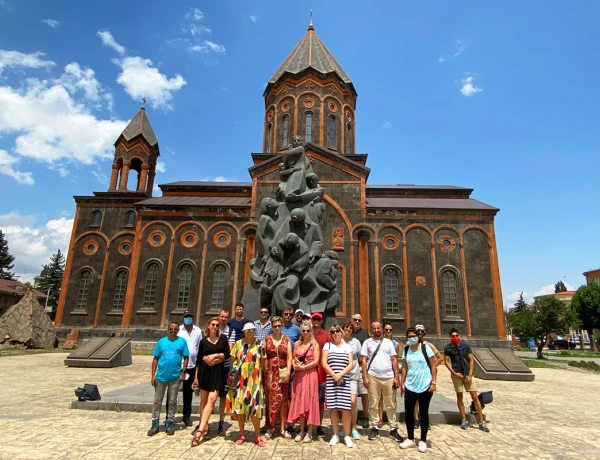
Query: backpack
x=424, y=351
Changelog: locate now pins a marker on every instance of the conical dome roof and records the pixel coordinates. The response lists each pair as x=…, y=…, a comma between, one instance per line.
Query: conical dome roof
x=310, y=53
x=140, y=125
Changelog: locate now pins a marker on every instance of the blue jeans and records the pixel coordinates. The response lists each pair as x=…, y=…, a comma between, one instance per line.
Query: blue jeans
x=172, y=388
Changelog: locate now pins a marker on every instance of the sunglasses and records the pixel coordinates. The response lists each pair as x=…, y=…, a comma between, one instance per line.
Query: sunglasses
x=357, y=320
x=264, y=312
x=388, y=330
x=337, y=331
x=173, y=330
x=307, y=331
x=317, y=319
x=276, y=326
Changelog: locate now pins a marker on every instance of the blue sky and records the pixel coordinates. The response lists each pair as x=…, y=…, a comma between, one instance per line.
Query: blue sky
x=500, y=97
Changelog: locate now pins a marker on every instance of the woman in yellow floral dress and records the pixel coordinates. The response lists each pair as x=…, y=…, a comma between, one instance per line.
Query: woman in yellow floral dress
x=246, y=402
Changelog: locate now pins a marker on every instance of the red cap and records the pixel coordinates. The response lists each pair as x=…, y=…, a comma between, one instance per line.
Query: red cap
x=317, y=315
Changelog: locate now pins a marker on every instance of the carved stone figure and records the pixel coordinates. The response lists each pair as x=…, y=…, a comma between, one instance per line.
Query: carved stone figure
x=291, y=267
x=338, y=239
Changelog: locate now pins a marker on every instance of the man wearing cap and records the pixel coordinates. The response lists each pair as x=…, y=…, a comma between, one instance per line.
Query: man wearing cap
x=322, y=337
x=192, y=335
x=439, y=359
x=299, y=317
x=263, y=325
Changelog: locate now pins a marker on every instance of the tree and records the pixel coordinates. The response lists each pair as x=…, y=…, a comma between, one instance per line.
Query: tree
x=586, y=304
x=6, y=260
x=50, y=279
x=560, y=287
x=548, y=314
x=520, y=304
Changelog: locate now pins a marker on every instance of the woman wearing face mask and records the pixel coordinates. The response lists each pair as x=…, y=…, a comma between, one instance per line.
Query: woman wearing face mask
x=212, y=352
x=419, y=375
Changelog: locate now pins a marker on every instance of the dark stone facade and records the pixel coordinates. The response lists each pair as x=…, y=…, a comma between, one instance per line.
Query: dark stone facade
x=407, y=254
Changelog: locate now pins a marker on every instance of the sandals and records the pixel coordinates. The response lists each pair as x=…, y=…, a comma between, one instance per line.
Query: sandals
x=197, y=438
x=241, y=440
x=259, y=442
x=286, y=434
x=206, y=435
x=269, y=435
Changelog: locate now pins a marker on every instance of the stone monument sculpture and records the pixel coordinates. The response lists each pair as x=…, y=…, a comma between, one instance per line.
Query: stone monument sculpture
x=291, y=267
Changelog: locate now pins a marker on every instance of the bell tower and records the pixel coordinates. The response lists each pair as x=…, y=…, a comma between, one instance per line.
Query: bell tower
x=136, y=150
x=311, y=96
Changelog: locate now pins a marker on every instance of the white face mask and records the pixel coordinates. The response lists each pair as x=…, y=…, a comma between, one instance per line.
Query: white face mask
x=413, y=340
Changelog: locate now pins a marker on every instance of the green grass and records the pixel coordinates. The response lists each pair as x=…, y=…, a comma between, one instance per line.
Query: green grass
x=538, y=363
x=577, y=354
x=588, y=365
x=14, y=351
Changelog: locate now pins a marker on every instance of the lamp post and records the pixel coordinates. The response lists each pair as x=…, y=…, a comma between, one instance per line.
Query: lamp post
x=47, y=297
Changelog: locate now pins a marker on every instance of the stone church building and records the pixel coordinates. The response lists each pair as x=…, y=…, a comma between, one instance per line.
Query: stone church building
x=407, y=253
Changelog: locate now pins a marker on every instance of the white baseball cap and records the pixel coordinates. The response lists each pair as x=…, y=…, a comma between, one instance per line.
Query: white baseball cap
x=249, y=326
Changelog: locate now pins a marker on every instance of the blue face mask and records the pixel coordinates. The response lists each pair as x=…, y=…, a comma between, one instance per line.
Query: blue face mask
x=187, y=321
x=413, y=340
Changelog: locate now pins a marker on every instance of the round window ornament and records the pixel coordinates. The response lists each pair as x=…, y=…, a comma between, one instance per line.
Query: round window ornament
x=309, y=102
x=125, y=247
x=390, y=242
x=90, y=248
x=348, y=115
x=189, y=239
x=421, y=281
x=446, y=243
x=332, y=106
x=270, y=115
x=222, y=239
x=285, y=106
x=156, y=238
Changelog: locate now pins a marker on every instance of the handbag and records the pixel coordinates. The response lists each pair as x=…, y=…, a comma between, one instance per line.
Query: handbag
x=283, y=372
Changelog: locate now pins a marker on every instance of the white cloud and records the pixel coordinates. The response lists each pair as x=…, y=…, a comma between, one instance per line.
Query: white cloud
x=194, y=14
x=140, y=79
x=101, y=177
x=6, y=168
x=460, y=47
x=387, y=124
x=216, y=179
x=253, y=18
x=52, y=123
x=108, y=40
x=441, y=59
x=468, y=87
x=33, y=245
x=161, y=167
x=513, y=297
x=196, y=29
x=156, y=188
x=549, y=289
x=51, y=23
x=18, y=59
x=206, y=47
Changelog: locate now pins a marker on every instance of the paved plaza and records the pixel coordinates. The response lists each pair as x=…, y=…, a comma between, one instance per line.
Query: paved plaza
x=556, y=416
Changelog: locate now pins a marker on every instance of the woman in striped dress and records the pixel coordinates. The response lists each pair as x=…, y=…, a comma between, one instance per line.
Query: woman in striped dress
x=337, y=362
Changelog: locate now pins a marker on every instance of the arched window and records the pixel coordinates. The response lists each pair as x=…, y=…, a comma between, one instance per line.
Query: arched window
x=96, y=219
x=130, y=219
x=394, y=291
x=120, y=289
x=331, y=143
x=450, y=301
x=218, y=287
x=185, y=283
x=269, y=138
x=308, y=131
x=348, y=138
x=340, y=287
x=286, y=128
x=151, y=286
x=84, y=288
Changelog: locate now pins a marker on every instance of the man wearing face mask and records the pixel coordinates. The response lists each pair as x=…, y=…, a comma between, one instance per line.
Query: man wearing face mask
x=192, y=335
x=458, y=357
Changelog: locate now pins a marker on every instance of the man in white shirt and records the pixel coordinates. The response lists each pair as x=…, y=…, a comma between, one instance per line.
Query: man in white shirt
x=381, y=378
x=263, y=325
x=192, y=334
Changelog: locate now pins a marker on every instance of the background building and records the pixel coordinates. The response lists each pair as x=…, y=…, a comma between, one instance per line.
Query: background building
x=408, y=253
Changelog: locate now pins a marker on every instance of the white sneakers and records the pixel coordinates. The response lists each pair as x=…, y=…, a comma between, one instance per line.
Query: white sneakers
x=334, y=440
x=348, y=441
x=408, y=443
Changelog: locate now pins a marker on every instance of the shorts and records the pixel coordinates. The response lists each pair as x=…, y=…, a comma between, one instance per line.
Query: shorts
x=460, y=385
x=354, y=387
x=223, y=394
x=361, y=387
x=321, y=392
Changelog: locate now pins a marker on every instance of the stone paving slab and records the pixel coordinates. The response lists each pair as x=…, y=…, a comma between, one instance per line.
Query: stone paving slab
x=554, y=417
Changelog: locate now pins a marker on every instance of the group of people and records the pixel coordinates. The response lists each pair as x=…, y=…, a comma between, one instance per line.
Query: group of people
x=288, y=369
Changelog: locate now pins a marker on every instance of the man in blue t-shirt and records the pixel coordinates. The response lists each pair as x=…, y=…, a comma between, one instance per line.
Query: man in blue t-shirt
x=170, y=361
x=237, y=322
x=289, y=329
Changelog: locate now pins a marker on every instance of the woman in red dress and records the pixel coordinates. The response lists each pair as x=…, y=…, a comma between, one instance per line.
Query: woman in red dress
x=279, y=356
